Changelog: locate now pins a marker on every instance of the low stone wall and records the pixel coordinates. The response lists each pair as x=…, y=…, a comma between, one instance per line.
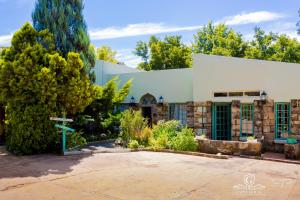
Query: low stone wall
x=229, y=147
x=292, y=151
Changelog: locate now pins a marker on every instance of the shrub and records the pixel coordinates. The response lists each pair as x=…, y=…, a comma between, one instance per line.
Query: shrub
x=112, y=123
x=32, y=131
x=75, y=139
x=132, y=125
x=133, y=144
x=170, y=128
x=184, y=141
x=161, y=141
x=37, y=83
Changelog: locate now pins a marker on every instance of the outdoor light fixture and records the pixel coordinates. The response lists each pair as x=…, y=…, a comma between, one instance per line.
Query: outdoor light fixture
x=161, y=100
x=263, y=96
x=132, y=100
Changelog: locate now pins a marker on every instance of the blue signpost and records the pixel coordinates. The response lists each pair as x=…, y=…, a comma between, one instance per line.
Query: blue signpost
x=64, y=130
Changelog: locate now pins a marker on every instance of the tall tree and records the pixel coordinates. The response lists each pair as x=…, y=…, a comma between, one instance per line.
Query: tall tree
x=273, y=47
x=107, y=54
x=169, y=53
x=64, y=19
x=219, y=40
x=261, y=47
x=38, y=83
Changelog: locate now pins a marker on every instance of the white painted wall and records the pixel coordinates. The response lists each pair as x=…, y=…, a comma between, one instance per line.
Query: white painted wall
x=175, y=85
x=209, y=74
x=104, y=69
x=281, y=81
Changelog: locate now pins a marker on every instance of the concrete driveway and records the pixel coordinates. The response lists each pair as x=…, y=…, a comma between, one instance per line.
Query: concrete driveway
x=145, y=175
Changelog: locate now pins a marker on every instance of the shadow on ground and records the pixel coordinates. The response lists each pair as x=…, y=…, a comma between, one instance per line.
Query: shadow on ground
x=37, y=165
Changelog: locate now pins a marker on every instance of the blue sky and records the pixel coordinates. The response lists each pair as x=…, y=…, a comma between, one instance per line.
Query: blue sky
x=121, y=23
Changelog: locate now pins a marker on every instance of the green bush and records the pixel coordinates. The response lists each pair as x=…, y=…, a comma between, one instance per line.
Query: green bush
x=30, y=130
x=169, y=127
x=171, y=135
x=132, y=125
x=184, y=141
x=36, y=84
x=133, y=144
x=112, y=123
x=161, y=141
x=75, y=140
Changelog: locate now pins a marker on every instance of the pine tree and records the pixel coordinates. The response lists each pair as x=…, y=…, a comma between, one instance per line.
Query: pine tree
x=64, y=19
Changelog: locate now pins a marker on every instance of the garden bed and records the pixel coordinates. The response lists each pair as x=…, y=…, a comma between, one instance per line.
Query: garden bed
x=229, y=147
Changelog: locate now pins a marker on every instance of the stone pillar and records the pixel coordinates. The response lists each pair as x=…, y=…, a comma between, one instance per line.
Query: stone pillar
x=208, y=115
x=268, y=124
x=190, y=114
x=235, y=120
x=258, y=119
x=202, y=118
x=295, y=119
x=159, y=112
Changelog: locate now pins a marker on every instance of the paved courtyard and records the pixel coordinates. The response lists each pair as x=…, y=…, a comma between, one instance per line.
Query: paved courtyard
x=145, y=175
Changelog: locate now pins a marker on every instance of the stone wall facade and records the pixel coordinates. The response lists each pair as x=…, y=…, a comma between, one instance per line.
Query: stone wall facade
x=199, y=117
x=235, y=120
x=295, y=119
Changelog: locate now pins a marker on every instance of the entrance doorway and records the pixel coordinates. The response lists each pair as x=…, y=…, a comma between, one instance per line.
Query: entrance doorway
x=221, y=121
x=147, y=113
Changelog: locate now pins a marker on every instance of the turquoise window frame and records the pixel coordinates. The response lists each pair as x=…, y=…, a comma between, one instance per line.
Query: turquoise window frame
x=279, y=120
x=250, y=115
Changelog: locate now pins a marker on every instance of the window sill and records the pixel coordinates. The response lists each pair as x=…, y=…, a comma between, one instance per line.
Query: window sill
x=280, y=141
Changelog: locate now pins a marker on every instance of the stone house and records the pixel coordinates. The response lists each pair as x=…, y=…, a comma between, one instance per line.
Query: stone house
x=224, y=98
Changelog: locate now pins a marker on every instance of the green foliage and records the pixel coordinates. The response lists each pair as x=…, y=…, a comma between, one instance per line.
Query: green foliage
x=107, y=54
x=170, y=127
x=273, y=47
x=132, y=125
x=169, y=53
x=222, y=40
x=64, y=19
x=107, y=97
x=219, y=40
x=163, y=133
x=170, y=135
x=184, y=141
x=38, y=83
x=250, y=138
x=161, y=141
x=112, y=123
x=75, y=140
x=133, y=144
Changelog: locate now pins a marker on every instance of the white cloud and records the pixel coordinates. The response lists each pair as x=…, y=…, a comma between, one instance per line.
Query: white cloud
x=137, y=30
x=5, y=40
x=252, y=18
x=126, y=56
x=155, y=28
x=288, y=28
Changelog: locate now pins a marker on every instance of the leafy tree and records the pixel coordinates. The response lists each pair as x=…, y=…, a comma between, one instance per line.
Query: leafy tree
x=219, y=40
x=64, y=19
x=261, y=47
x=36, y=83
x=169, y=53
x=273, y=47
x=107, y=54
x=107, y=97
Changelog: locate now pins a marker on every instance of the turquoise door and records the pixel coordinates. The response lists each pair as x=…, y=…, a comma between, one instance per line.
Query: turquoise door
x=221, y=127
